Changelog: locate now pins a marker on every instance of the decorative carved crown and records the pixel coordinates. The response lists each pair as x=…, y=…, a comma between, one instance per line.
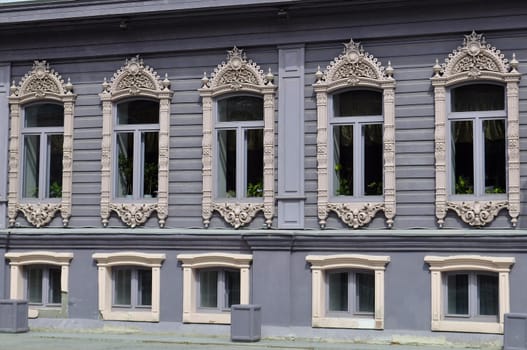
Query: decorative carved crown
x=134, y=76
x=354, y=64
x=474, y=57
x=236, y=72
x=41, y=80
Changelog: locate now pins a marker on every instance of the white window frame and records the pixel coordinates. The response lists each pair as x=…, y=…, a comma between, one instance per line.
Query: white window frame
x=441, y=265
x=476, y=62
x=354, y=68
x=191, y=264
x=105, y=263
x=237, y=76
x=40, y=85
x=18, y=286
x=321, y=265
x=134, y=81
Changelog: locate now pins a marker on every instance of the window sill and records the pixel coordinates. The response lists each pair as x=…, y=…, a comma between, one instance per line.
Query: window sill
x=345, y=322
x=468, y=326
x=137, y=316
x=202, y=317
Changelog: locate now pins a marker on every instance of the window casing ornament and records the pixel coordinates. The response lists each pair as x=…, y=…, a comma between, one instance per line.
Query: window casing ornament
x=355, y=68
x=477, y=62
x=134, y=81
x=41, y=85
x=243, y=77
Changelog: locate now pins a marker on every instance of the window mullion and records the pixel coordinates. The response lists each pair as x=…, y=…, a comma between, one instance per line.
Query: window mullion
x=352, y=292
x=358, y=160
x=45, y=286
x=241, y=151
x=479, y=157
x=134, y=285
x=137, y=172
x=43, y=171
x=220, y=295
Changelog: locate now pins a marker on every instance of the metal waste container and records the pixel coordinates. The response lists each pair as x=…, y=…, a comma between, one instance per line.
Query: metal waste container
x=13, y=316
x=515, y=332
x=246, y=323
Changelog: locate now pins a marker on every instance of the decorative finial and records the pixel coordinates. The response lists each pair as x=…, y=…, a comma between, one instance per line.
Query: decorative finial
x=514, y=63
x=166, y=82
x=13, y=89
x=437, y=68
x=68, y=87
x=105, y=85
x=204, y=81
x=319, y=75
x=389, y=70
x=269, y=77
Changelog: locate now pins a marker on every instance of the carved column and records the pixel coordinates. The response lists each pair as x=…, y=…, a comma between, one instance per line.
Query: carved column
x=207, y=158
x=164, y=145
x=67, y=160
x=389, y=152
x=513, y=147
x=268, y=185
x=106, y=153
x=440, y=150
x=14, y=142
x=322, y=155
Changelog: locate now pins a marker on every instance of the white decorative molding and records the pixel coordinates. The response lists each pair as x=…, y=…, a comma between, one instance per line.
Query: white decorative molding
x=441, y=264
x=477, y=60
x=356, y=215
x=135, y=79
x=191, y=263
x=355, y=68
x=105, y=262
x=322, y=263
x=238, y=74
x=41, y=84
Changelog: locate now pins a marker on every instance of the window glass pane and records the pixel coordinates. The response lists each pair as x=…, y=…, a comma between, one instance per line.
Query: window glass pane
x=44, y=115
x=240, y=108
x=338, y=291
x=478, y=97
x=31, y=166
x=365, y=290
x=151, y=160
x=232, y=288
x=254, y=163
x=227, y=163
x=138, y=112
x=357, y=103
x=494, y=132
x=125, y=176
x=54, y=286
x=34, y=285
x=343, y=158
x=55, y=144
x=373, y=159
x=488, y=295
x=462, y=157
x=208, y=288
x=144, y=286
x=122, y=287
x=457, y=286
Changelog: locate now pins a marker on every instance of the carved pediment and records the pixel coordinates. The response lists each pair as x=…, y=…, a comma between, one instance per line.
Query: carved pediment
x=41, y=80
x=353, y=65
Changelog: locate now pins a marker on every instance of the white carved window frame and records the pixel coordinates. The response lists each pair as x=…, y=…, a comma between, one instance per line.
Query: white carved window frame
x=134, y=80
x=439, y=265
x=41, y=84
x=191, y=263
x=355, y=68
x=105, y=262
x=238, y=75
x=320, y=264
x=17, y=262
x=477, y=61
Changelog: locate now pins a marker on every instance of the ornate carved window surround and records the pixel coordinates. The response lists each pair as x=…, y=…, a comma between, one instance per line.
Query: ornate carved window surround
x=135, y=80
x=355, y=68
x=238, y=75
x=477, y=61
x=41, y=84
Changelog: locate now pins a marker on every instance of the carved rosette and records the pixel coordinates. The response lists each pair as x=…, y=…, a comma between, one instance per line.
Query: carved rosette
x=355, y=67
x=356, y=215
x=476, y=60
x=477, y=213
x=39, y=214
x=40, y=84
x=136, y=80
x=133, y=214
x=238, y=74
x=238, y=214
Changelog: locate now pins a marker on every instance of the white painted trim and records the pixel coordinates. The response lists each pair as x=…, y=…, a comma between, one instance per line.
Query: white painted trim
x=191, y=263
x=105, y=262
x=322, y=263
x=441, y=264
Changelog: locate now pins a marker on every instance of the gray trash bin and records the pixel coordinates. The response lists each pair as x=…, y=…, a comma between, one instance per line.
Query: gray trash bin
x=515, y=332
x=13, y=316
x=246, y=323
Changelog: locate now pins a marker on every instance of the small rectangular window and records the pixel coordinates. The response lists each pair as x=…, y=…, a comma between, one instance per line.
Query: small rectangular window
x=458, y=294
x=123, y=287
x=357, y=103
x=472, y=295
x=44, y=285
x=463, y=156
x=477, y=97
x=132, y=287
x=351, y=292
x=34, y=285
x=218, y=289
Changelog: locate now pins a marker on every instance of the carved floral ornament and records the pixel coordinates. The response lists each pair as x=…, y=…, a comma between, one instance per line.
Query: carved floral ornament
x=238, y=74
x=355, y=68
x=477, y=60
x=135, y=79
x=40, y=84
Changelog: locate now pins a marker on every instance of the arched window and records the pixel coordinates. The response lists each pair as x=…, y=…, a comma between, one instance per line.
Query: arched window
x=355, y=138
x=41, y=147
x=476, y=134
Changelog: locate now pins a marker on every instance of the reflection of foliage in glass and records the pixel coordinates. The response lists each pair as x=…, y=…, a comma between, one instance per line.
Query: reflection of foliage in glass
x=55, y=190
x=374, y=188
x=344, y=187
x=463, y=185
x=151, y=177
x=126, y=168
x=255, y=189
x=495, y=189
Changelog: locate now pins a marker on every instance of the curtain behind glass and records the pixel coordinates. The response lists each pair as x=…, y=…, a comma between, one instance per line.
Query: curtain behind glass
x=34, y=285
x=488, y=295
x=123, y=287
x=457, y=293
x=54, y=290
x=365, y=292
x=144, y=284
x=208, y=289
x=31, y=166
x=338, y=291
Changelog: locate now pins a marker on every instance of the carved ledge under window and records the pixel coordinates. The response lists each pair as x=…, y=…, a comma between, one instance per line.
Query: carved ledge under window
x=238, y=214
x=356, y=215
x=477, y=213
x=134, y=214
x=39, y=214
